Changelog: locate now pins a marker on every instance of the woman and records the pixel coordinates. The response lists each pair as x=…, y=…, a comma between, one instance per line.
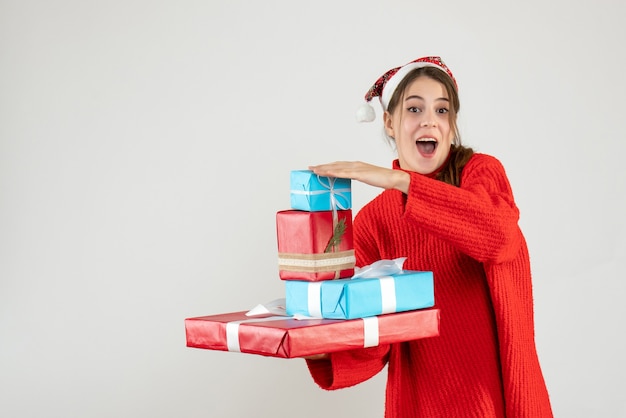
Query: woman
x=450, y=211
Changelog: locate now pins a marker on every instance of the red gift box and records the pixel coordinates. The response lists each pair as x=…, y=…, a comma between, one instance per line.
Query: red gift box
x=286, y=337
x=314, y=246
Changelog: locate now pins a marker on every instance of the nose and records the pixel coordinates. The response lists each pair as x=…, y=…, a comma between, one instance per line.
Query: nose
x=429, y=120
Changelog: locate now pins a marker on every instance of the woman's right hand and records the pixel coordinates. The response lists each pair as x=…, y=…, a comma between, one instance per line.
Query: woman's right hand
x=317, y=357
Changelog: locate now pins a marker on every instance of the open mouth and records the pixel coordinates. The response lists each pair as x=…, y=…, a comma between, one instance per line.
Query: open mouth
x=426, y=146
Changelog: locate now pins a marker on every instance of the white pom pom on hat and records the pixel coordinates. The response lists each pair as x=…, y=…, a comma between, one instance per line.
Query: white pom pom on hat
x=365, y=113
x=387, y=83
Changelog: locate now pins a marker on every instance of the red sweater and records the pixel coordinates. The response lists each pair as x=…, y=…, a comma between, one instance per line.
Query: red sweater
x=484, y=362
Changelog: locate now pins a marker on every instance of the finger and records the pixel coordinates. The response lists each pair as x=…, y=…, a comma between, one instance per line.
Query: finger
x=326, y=169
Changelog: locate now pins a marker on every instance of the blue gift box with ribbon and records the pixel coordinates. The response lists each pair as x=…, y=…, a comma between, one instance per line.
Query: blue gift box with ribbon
x=360, y=297
x=313, y=193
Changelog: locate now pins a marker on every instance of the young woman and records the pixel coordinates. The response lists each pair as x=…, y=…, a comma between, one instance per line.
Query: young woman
x=450, y=211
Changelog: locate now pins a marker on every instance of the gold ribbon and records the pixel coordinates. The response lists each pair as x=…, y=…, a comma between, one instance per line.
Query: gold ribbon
x=314, y=263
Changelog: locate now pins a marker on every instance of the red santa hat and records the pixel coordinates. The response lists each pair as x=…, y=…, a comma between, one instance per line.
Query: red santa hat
x=386, y=85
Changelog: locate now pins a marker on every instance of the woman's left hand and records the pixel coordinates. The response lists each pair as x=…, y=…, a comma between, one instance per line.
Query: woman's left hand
x=373, y=175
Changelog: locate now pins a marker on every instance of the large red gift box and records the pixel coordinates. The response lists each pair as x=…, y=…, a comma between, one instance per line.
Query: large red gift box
x=287, y=337
x=314, y=246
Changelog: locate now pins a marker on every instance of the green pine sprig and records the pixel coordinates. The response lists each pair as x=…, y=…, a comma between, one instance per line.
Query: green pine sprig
x=335, y=240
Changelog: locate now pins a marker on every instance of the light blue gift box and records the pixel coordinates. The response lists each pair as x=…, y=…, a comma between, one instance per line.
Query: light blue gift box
x=361, y=297
x=314, y=193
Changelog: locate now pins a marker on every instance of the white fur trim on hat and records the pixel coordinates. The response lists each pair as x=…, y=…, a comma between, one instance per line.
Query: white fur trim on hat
x=393, y=82
x=386, y=85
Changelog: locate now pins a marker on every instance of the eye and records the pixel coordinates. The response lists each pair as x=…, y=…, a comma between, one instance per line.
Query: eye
x=413, y=109
x=442, y=110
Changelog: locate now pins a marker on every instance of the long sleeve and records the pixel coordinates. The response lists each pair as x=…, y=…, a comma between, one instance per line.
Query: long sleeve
x=480, y=218
x=348, y=368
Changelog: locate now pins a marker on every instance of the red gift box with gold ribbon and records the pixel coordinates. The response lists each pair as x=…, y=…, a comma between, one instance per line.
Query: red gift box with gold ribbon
x=287, y=337
x=314, y=246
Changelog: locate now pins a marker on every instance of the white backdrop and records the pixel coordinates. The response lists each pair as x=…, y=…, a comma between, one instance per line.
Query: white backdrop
x=145, y=147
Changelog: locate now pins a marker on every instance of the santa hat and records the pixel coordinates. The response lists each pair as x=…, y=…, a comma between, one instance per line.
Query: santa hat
x=386, y=85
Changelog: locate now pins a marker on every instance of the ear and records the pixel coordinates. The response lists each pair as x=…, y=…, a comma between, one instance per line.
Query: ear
x=388, y=123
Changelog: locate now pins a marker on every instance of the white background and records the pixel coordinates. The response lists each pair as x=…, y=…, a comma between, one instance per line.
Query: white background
x=145, y=147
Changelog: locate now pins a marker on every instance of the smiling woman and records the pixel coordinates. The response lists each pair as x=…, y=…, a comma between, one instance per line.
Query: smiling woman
x=451, y=211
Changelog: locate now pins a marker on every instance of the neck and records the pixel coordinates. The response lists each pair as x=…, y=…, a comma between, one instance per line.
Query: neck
x=432, y=174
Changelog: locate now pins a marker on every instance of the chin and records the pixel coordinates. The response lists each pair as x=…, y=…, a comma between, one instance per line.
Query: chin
x=424, y=171
x=427, y=167
x=422, y=166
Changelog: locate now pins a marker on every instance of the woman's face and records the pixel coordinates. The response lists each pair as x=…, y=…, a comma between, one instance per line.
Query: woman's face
x=421, y=127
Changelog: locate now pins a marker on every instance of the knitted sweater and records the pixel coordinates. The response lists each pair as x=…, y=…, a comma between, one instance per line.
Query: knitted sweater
x=484, y=363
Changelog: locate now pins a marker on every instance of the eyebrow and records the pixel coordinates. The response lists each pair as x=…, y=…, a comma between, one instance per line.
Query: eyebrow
x=421, y=98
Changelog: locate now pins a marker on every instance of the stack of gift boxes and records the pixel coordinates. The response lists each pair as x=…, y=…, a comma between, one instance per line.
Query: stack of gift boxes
x=317, y=263
x=328, y=307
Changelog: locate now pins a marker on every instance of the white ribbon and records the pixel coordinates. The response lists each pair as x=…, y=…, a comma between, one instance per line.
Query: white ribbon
x=370, y=324
x=232, y=336
x=380, y=268
x=338, y=192
x=330, y=188
x=370, y=332
x=334, y=204
x=333, y=192
x=388, y=293
x=276, y=307
x=314, y=299
x=232, y=330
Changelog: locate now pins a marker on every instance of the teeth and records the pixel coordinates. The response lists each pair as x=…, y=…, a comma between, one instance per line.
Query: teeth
x=426, y=140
